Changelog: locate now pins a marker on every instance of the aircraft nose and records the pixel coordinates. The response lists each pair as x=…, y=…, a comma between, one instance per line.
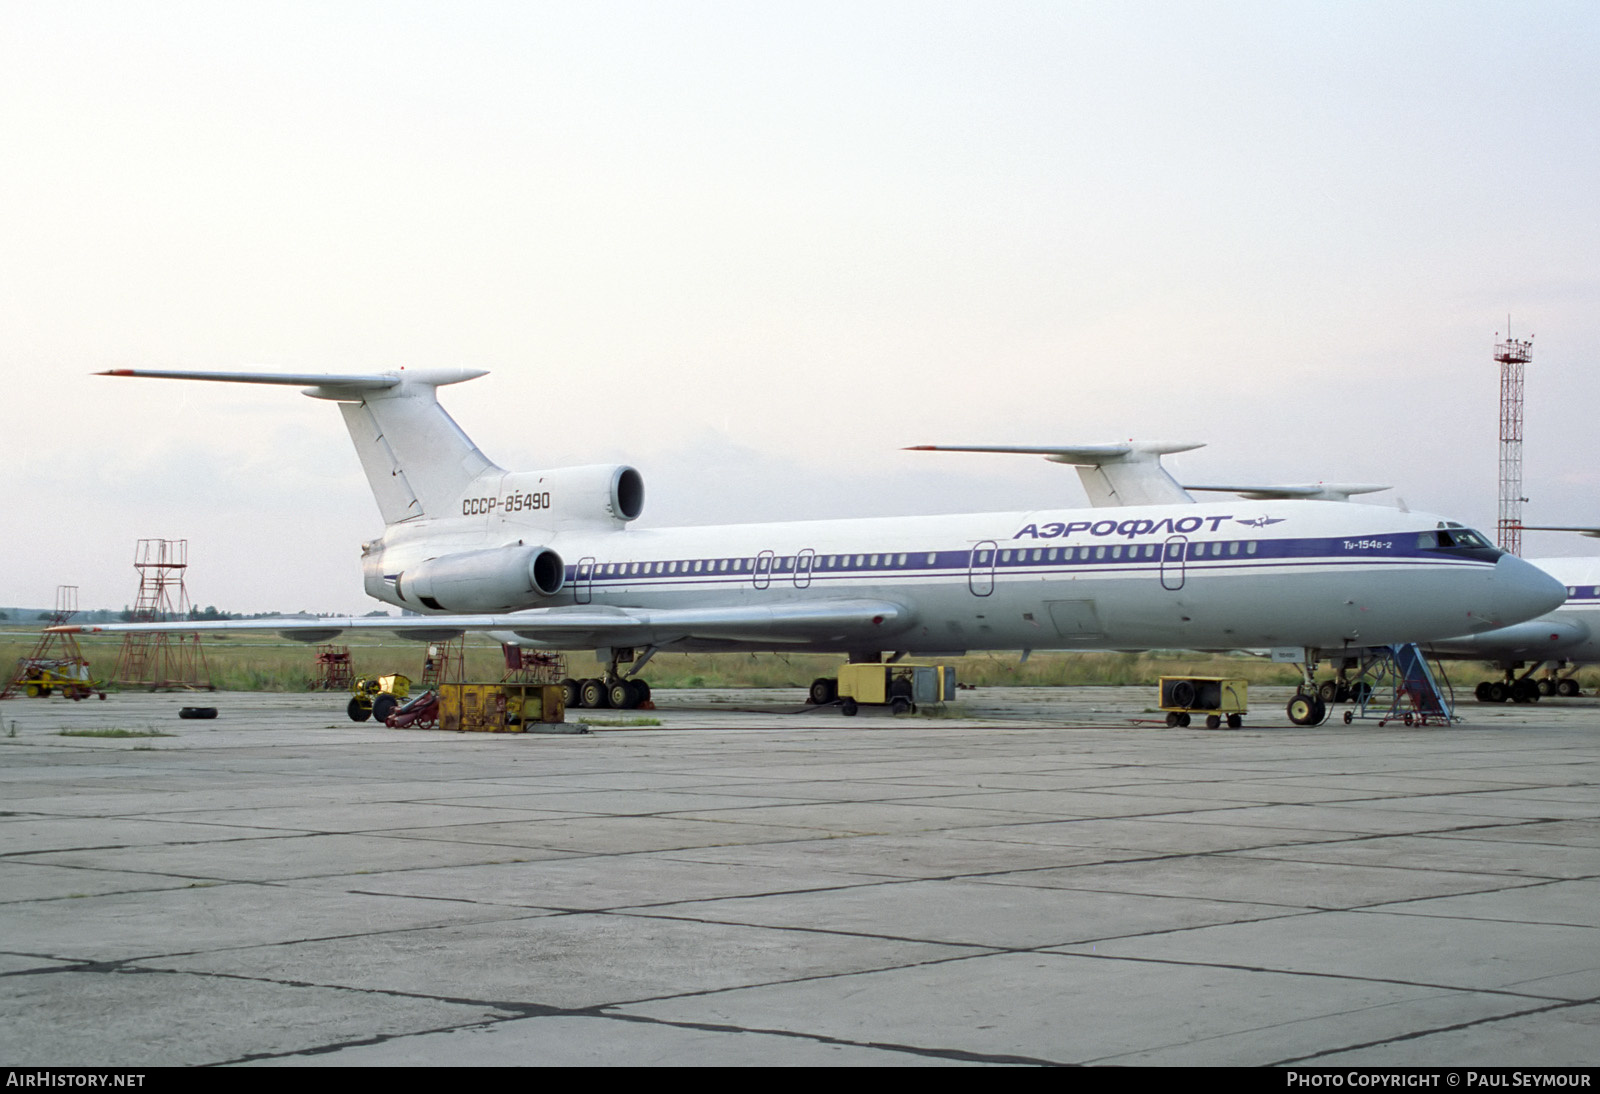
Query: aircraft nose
x=1523, y=591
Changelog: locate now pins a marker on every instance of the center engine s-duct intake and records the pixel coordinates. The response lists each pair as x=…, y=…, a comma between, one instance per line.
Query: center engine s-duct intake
x=494, y=580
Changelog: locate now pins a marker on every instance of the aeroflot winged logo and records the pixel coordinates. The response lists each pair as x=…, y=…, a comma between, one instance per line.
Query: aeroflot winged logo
x=1260, y=522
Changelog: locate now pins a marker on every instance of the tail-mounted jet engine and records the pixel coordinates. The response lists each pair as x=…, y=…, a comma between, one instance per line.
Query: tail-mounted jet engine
x=602, y=495
x=494, y=580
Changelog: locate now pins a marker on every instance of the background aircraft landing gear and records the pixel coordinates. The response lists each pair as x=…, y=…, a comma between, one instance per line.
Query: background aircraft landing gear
x=1520, y=689
x=824, y=690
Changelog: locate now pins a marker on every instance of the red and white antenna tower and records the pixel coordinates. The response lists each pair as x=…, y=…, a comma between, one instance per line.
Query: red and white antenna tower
x=1513, y=355
x=162, y=660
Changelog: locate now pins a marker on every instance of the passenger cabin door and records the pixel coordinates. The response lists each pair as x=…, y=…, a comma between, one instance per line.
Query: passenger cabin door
x=980, y=568
x=802, y=567
x=762, y=574
x=583, y=580
x=1172, y=562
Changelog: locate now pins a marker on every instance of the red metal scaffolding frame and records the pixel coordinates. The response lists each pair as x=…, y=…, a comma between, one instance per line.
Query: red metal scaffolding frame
x=445, y=662
x=162, y=660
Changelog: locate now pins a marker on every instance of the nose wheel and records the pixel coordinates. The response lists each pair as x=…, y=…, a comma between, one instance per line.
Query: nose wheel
x=1307, y=710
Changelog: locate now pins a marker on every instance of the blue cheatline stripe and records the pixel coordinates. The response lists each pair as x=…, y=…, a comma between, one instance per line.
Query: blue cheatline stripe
x=1198, y=556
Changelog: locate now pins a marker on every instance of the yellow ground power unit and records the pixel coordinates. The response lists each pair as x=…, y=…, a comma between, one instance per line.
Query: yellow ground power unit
x=1217, y=697
x=902, y=687
x=376, y=697
x=500, y=708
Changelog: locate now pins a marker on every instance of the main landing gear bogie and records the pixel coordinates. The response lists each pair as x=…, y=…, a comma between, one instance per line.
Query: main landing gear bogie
x=1517, y=691
x=611, y=690
x=1564, y=686
x=1526, y=689
x=599, y=694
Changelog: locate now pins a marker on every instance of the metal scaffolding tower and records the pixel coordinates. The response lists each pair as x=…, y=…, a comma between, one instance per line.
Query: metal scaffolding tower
x=162, y=660
x=445, y=663
x=1513, y=356
x=56, y=663
x=334, y=670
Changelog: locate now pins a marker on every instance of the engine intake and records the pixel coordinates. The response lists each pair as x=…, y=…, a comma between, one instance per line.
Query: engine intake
x=495, y=580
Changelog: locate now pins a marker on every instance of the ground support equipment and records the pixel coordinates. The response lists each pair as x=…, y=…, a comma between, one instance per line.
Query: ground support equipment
x=502, y=708
x=333, y=669
x=420, y=712
x=445, y=662
x=901, y=686
x=378, y=697
x=1402, y=689
x=57, y=662
x=1223, y=700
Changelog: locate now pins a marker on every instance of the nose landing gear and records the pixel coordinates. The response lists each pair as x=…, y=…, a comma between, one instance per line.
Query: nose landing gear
x=1308, y=708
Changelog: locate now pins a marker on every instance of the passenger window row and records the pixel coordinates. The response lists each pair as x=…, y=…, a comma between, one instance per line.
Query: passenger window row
x=951, y=560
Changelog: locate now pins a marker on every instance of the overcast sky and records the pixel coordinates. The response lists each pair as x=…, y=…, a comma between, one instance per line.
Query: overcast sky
x=756, y=248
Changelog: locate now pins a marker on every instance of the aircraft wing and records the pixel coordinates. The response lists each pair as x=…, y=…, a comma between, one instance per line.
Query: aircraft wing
x=1311, y=491
x=582, y=627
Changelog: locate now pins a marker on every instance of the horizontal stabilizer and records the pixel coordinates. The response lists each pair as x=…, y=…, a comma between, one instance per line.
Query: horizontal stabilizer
x=417, y=460
x=1312, y=491
x=1127, y=473
x=578, y=627
x=354, y=382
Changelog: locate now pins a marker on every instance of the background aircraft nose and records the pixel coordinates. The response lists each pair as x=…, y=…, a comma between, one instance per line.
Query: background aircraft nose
x=1523, y=591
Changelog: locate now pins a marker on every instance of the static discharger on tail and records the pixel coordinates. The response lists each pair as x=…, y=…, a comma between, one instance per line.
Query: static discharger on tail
x=552, y=559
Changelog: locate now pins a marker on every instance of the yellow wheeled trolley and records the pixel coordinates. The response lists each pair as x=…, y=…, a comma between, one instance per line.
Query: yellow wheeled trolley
x=377, y=697
x=42, y=676
x=901, y=686
x=502, y=708
x=1219, y=698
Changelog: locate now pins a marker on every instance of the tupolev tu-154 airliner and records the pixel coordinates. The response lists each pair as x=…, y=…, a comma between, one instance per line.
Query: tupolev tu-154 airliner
x=547, y=559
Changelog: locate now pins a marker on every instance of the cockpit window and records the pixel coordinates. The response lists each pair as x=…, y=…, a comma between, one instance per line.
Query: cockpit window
x=1455, y=536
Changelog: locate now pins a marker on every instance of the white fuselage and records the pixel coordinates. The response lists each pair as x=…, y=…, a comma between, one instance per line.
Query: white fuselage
x=1320, y=575
x=1571, y=633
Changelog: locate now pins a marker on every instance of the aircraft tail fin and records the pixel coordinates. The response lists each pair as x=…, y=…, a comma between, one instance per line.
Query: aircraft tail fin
x=418, y=461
